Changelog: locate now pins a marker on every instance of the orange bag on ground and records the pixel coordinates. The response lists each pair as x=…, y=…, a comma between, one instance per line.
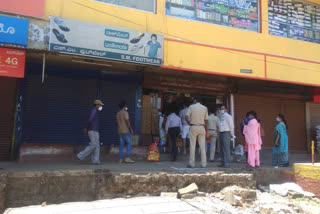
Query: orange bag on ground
x=153, y=151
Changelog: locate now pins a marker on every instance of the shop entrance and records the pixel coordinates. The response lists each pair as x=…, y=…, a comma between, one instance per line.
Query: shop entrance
x=164, y=102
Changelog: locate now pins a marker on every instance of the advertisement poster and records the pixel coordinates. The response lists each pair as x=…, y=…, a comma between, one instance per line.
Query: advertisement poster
x=14, y=30
x=12, y=62
x=28, y=8
x=232, y=13
x=294, y=19
x=108, y=42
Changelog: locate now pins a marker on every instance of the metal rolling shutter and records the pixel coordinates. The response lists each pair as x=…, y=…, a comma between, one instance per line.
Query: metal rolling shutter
x=314, y=118
x=7, y=97
x=112, y=93
x=267, y=109
x=57, y=111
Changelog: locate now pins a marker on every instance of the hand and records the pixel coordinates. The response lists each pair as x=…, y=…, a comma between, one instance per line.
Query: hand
x=131, y=131
x=85, y=130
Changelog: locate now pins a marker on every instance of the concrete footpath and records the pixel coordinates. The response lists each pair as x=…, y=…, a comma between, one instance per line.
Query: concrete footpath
x=140, y=205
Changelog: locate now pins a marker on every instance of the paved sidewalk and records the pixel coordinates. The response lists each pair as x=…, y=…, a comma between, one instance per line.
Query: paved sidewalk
x=142, y=167
x=143, y=205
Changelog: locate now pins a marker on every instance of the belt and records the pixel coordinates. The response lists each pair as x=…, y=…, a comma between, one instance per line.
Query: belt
x=197, y=125
x=212, y=129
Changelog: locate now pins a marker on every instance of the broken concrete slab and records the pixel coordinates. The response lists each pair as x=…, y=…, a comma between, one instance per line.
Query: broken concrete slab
x=169, y=194
x=192, y=188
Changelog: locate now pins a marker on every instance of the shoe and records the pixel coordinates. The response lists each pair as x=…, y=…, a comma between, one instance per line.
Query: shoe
x=96, y=163
x=77, y=158
x=128, y=160
x=249, y=168
x=137, y=39
x=60, y=37
x=225, y=167
x=189, y=166
x=203, y=166
x=61, y=24
x=220, y=165
x=121, y=161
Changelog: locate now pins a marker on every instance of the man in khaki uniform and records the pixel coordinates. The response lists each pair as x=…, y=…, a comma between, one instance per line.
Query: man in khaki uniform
x=197, y=118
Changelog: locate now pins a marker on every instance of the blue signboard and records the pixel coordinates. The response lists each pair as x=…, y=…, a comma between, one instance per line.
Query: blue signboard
x=13, y=30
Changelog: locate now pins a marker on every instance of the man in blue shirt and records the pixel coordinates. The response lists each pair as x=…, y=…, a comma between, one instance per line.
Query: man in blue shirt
x=153, y=45
x=92, y=129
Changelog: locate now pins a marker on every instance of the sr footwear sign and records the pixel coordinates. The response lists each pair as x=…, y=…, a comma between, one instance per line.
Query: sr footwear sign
x=100, y=41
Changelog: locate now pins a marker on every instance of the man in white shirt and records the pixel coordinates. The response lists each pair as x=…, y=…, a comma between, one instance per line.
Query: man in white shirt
x=213, y=130
x=197, y=118
x=226, y=129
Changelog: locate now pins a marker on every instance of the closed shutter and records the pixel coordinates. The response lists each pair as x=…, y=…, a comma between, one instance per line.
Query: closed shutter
x=314, y=109
x=112, y=93
x=57, y=111
x=7, y=97
x=267, y=109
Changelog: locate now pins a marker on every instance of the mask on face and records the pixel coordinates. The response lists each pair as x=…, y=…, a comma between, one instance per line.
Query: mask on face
x=100, y=108
x=278, y=119
x=126, y=109
x=249, y=118
x=222, y=111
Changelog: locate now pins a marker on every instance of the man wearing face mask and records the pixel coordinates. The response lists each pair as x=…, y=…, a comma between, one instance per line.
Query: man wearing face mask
x=226, y=128
x=123, y=130
x=92, y=129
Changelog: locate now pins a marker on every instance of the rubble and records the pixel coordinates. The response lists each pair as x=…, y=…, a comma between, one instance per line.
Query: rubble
x=292, y=189
x=192, y=188
x=237, y=196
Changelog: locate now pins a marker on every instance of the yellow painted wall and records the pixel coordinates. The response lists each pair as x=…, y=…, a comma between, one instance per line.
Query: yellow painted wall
x=205, y=58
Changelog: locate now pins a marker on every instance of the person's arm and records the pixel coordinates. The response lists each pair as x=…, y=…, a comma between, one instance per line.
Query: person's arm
x=89, y=122
x=128, y=123
x=167, y=125
x=231, y=125
x=188, y=114
x=277, y=140
x=206, y=125
x=206, y=121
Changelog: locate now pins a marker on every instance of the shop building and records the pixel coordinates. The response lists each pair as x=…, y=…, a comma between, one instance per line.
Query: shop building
x=246, y=55
x=13, y=32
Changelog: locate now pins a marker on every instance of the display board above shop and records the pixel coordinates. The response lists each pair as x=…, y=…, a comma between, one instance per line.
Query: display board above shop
x=294, y=19
x=96, y=40
x=242, y=14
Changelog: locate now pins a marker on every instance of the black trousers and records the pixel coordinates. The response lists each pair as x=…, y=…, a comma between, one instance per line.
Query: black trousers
x=173, y=134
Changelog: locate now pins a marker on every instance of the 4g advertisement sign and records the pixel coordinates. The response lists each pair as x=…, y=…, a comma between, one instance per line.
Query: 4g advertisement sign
x=12, y=62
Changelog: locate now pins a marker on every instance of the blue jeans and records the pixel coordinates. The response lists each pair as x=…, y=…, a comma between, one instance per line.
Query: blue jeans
x=125, y=138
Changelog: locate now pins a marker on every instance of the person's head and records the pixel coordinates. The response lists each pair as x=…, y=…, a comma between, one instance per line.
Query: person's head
x=253, y=115
x=212, y=110
x=223, y=109
x=123, y=105
x=98, y=104
x=282, y=119
x=154, y=38
x=185, y=105
x=197, y=99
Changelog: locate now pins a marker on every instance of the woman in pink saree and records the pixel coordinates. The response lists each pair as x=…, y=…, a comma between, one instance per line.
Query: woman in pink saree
x=253, y=140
